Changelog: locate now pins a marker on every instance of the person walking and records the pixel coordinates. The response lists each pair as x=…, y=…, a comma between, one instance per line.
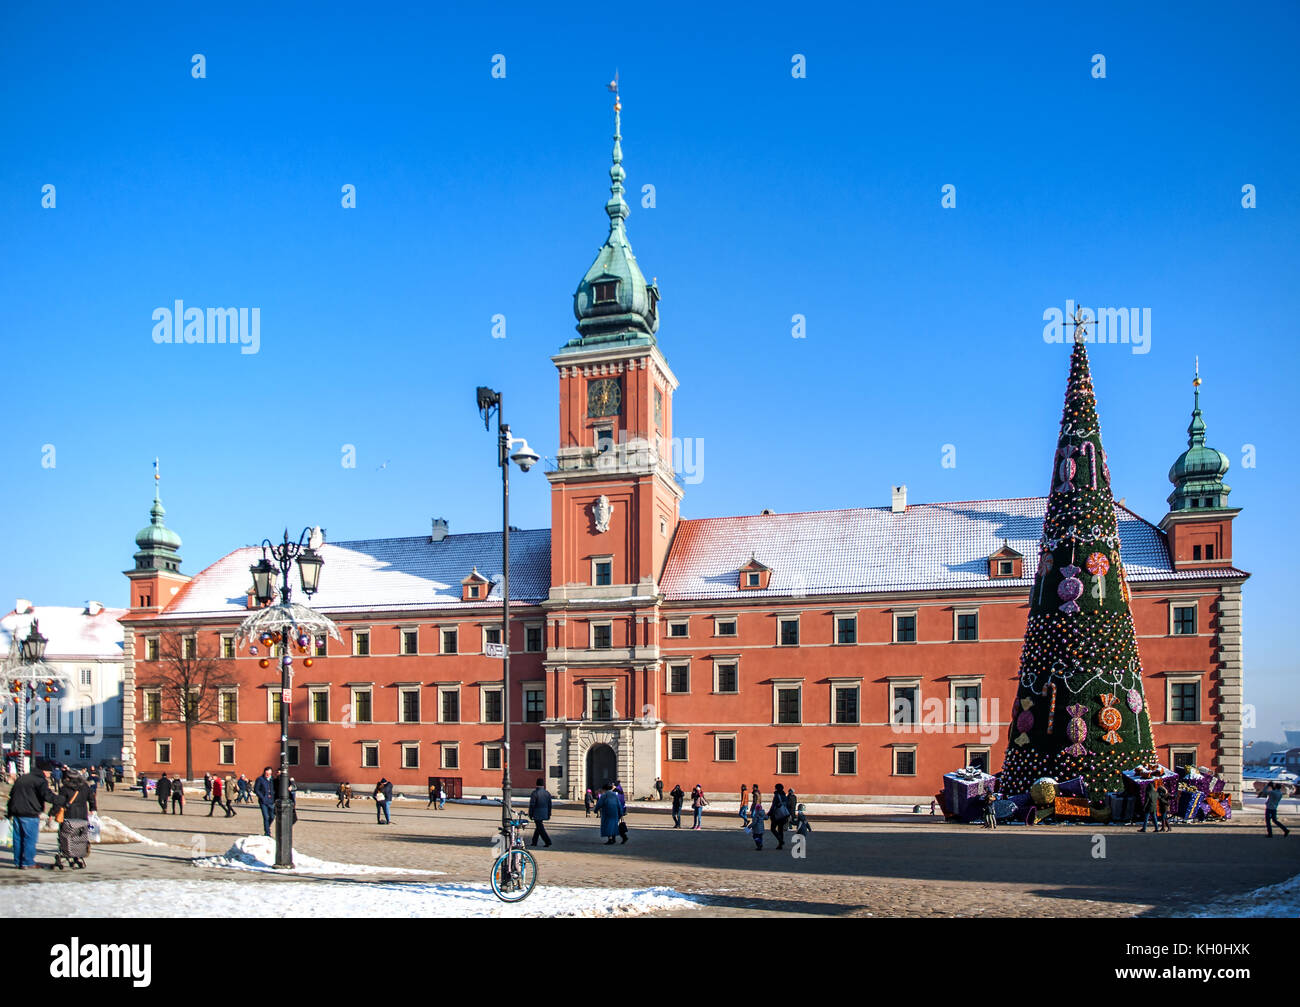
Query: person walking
x=678, y=795
x=777, y=815
x=744, y=805
x=264, y=789
x=214, y=794
x=178, y=794
x=539, y=810
x=698, y=804
x=659, y=787
x=588, y=802
x=1150, y=808
x=74, y=829
x=1272, y=799
x=610, y=816
x=382, y=795
x=756, y=820
x=163, y=792
x=27, y=799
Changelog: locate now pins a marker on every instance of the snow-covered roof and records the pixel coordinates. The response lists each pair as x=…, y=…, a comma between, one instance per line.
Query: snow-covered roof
x=385, y=573
x=927, y=547
x=71, y=631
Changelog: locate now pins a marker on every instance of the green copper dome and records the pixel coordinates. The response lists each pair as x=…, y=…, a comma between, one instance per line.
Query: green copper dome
x=1197, y=474
x=613, y=303
x=157, y=543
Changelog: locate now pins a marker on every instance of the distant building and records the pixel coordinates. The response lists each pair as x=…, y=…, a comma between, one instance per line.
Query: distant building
x=82, y=726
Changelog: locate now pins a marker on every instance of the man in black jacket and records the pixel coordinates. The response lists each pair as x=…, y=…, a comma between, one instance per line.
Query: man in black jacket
x=539, y=810
x=27, y=800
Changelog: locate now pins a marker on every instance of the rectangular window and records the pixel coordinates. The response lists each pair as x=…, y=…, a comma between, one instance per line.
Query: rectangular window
x=789, y=632
x=534, y=706
x=227, y=647
x=602, y=636
x=725, y=627
x=321, y=752
x=679, y=678
x=291, y=752
x=787, y=761
x=319, y=712
x=450, y=756
x=846, y=629
x=362, y=713
x=410, y=641
x=492, y=706
x=677, y=748
x=274, y=705
x=151, y=649
x=450, y=703
x=905, y=704
x=1183, y=702
x=153, y=706
x=322, y=649
x=533, y=757
x=449, y=642
x=602, y=704
x=968, y=626
x=492, y=757
x=361, y=642
x=678, y=630
x=904, y=761
x=725, y=678
x=228, y=707
x=604, y=572
x=846, y=762
x=787, y=704
x=905, y=628
x=533, y=639
x=846, y=704
x=164, y=751
x=410, y=706
x=410, y=756
x=726, y=748
x=966, y=704
x=369, y=755
x=1184, y=620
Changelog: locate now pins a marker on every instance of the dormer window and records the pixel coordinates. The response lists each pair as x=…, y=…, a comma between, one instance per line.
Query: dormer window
x=606, y=292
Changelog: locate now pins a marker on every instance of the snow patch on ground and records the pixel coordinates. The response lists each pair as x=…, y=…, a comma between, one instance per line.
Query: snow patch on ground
x=330, y=899
x=1280, y=900
x=257, y=853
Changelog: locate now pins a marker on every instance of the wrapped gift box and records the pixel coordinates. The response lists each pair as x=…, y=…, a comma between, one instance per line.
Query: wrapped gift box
x=1072, y=807
x=964, y=792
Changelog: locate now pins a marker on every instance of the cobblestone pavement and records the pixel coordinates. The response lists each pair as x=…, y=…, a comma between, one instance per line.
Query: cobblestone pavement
x=884, y=865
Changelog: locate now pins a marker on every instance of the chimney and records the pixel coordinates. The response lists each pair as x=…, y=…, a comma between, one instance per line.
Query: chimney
x=22, y=606
x=93, y=608
x=439, y=529
x=898, y=503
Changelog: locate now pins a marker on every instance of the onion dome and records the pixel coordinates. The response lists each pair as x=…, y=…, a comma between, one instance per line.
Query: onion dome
x=613, y=303
x=1197, y=474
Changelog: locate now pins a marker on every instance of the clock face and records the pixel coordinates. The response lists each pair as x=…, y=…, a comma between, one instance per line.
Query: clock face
x=604, y=397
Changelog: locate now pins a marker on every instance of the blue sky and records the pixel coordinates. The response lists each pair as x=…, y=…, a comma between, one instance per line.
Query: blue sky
x=775, y=196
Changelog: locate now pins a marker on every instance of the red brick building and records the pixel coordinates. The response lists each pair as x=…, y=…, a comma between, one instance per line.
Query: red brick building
x=860, y=652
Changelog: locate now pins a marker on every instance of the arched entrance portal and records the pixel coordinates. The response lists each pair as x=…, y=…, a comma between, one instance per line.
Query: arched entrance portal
x=602, y=767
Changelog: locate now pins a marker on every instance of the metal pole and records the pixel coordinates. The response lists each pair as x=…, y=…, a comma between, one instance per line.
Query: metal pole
x=504, y=441
x=283, y=809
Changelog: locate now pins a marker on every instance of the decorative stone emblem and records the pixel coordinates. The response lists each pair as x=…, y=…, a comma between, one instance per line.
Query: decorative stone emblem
x=601, y=511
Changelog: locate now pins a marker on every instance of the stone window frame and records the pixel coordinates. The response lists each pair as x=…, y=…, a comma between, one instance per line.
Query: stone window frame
x=896, y=751
x=1195, y=606
x=1173, y=678
x=721, y=736
x=721, y=659
x=840, y=747
x=957, y=613
x=845, y=683
x=669, y=666
x=685, y=738
x=781, y=619
x=783, y=749
x=964, y=682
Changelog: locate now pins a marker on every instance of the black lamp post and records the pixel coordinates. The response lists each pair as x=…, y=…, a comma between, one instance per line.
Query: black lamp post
x=490, y=401
x=264, y=585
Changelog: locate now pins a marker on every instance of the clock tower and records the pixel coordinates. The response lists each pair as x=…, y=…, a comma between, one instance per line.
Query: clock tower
x=614, y=509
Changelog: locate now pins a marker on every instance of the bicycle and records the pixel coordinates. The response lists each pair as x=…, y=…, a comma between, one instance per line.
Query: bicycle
x=514, y=872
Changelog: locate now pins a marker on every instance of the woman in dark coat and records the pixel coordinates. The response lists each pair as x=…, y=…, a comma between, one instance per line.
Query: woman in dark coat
x=74, y=834
x=609, y=815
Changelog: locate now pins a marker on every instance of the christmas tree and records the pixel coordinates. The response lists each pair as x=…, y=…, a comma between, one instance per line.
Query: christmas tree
x=1080, y=709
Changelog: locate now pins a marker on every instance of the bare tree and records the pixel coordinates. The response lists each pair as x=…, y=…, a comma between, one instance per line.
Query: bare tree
x=190, y=678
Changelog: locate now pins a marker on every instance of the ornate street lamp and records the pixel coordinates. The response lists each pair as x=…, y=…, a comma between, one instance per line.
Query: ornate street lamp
x=291, y=624
x=489, y=401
